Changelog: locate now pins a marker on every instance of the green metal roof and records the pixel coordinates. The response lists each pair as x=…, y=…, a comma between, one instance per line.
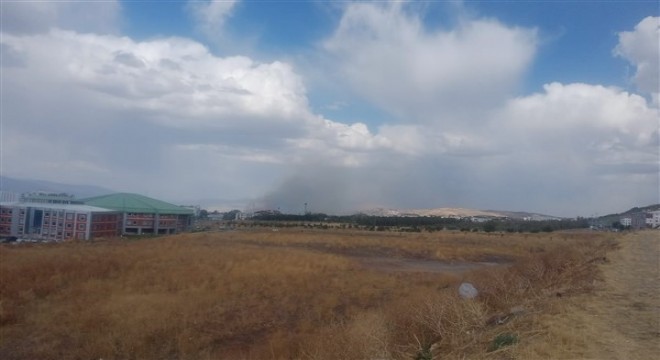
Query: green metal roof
x=136, y=203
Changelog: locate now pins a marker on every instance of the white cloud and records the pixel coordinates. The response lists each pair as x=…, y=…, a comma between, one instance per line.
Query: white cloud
x=129, y=102
x=211, y=14
x=642, y=48
x=391, y=58
x=594, y=126
x=176, y=82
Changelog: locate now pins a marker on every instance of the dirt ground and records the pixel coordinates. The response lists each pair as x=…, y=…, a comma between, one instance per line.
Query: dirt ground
x=621, y=320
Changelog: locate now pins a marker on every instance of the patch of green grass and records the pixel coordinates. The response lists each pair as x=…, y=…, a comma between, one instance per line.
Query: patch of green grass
x=503, y=340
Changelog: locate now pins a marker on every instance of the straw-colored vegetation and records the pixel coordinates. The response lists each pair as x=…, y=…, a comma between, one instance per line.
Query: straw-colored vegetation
x=285, y=294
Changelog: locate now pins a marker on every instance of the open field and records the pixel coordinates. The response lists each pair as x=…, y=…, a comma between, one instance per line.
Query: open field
x=290, y=294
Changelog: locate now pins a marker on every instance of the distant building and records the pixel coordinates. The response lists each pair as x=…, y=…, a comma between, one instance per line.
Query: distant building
x=195, y=208
x=9, y=196
x=215, y=216
x=59, y=217
x=653, y=219
x=48, y=198
x=625, y=221
x=634, y=220
x=638, y=220
x=57, y=222
x=144, y=215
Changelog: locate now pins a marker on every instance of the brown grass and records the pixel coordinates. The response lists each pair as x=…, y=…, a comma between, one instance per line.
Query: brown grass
x=287, y=294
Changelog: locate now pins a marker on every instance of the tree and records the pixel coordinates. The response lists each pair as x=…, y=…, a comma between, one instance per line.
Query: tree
x=231, y=215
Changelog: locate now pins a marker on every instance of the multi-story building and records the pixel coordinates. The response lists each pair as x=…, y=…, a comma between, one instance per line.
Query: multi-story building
x=653, y=219
x=57, y=222
x=48, y=198
x=144, y=215
x=625, y=221
x=638, y=220
x=60, y=217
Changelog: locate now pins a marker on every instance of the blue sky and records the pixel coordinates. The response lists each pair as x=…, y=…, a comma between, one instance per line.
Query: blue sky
x=547, y=106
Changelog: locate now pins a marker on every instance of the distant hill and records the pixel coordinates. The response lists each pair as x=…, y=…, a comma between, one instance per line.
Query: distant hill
x=457, y=212
x=31, y=185
x=610, y=218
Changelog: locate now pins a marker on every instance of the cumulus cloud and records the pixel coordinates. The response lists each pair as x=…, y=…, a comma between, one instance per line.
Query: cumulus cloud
x=584, y=129
x=642, y=48
x=128, y=103
x=387, y=55
x=176, y=80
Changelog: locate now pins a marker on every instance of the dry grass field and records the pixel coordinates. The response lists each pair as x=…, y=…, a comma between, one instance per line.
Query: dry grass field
x=287, y=294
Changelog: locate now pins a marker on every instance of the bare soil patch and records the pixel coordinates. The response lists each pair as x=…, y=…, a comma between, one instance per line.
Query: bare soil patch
x=415, y=265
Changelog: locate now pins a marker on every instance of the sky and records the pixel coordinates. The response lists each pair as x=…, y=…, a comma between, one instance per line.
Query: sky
x=540, y=106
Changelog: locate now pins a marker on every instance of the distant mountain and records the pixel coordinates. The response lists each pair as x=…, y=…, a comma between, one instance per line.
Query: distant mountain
x=610, y=218
x=641, y=209
x=30, y=185
x=457, y=212
x=526, y=215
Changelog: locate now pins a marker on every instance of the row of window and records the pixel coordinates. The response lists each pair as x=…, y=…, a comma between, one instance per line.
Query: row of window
x=69, y=216
x=103, y=218
x=141, y=215
x=139, y=223
x=104, y=227
x=68, y=226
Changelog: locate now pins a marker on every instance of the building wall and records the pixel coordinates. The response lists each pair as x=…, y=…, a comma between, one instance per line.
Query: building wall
x=638, y=220
x=105, y=225
x=654, y=219
x=6, y=214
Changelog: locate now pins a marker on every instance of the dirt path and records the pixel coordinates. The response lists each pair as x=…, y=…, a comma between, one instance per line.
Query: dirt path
x=621, y=320
x=628, y=304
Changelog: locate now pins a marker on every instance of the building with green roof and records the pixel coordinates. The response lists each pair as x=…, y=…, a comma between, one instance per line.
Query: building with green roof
x=145, y=215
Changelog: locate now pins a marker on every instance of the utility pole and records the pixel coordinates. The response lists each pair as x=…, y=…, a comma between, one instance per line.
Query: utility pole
x=305, y=209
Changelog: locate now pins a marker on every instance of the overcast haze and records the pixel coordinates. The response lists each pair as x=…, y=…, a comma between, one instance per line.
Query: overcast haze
x=536, y=106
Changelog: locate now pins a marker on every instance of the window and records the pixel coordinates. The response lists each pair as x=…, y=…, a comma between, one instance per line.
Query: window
x=81, y=226
x=69, y=216
x=82, y=217
x=69, y=225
